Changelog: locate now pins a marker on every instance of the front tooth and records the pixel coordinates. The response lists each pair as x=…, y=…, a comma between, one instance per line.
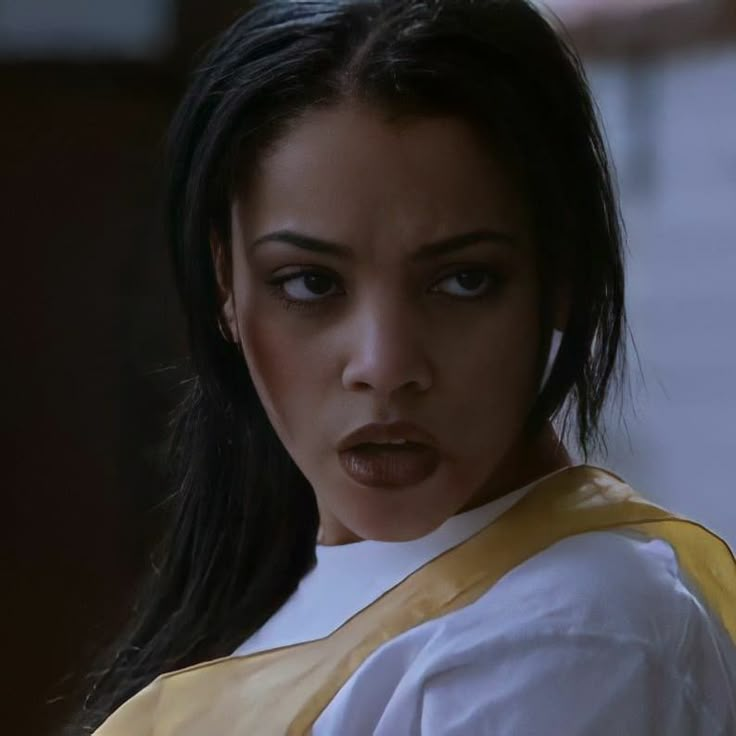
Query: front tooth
x=397, y=442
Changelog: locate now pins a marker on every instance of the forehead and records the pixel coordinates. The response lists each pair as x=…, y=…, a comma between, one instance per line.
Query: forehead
x=351, y=173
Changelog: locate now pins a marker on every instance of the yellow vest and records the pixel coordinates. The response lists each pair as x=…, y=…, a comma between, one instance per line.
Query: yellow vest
x=283, y=691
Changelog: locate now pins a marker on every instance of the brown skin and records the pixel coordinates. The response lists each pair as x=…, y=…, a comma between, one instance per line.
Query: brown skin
x=381, y=337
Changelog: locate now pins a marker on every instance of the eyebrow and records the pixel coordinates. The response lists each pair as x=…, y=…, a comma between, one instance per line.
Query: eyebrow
x=425, y=252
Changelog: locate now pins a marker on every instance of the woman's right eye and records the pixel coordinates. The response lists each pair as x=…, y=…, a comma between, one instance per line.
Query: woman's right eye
x=306, y=287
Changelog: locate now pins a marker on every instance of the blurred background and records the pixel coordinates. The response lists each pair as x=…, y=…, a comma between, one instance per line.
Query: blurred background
x=93, y=333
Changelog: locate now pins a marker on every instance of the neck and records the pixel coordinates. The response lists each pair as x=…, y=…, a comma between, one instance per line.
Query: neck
x=526, y=462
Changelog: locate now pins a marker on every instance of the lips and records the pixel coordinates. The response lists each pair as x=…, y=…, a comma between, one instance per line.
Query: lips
x=389, y=455
x=387, y=433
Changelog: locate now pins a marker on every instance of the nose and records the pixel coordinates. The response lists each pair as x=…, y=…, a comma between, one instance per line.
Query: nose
x=386, y=353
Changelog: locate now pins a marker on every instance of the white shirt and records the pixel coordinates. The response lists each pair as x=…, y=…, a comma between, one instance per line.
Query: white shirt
x=599, y=634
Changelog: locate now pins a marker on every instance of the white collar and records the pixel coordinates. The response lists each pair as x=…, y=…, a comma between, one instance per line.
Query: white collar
x=349, y=577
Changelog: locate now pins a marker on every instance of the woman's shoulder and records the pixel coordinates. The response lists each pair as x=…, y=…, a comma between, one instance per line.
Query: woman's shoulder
x=601, y=627
x=611, y=587
x=606, y=601
x=621, y=583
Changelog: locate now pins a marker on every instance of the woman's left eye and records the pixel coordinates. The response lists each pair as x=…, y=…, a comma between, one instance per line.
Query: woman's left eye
x=467, y=284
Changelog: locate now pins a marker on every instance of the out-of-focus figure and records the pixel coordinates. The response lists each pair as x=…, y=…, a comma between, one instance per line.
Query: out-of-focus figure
x=615, y=26
x=663, y=73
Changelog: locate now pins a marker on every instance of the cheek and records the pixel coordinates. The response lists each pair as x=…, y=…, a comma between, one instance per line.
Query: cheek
x=288, y=366
x=272, y=358
x=498, y=382
x=494, y=381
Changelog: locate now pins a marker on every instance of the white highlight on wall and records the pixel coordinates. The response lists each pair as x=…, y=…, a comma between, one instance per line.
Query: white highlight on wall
x=82, y=29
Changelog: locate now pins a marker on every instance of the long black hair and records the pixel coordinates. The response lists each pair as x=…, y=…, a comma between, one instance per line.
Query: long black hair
x=243, y=519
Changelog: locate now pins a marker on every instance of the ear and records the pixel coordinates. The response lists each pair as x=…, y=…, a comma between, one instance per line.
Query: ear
x=222, y=264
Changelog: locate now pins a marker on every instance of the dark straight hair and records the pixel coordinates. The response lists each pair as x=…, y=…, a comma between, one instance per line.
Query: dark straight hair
x=243, y=518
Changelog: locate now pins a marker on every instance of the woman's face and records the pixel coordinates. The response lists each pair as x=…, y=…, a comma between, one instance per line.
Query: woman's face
x=383, y=272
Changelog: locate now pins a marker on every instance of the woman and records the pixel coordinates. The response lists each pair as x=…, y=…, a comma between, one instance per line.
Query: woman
x=398, y=249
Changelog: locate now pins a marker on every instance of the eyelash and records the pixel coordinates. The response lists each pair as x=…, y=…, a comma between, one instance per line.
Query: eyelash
x=276, y=285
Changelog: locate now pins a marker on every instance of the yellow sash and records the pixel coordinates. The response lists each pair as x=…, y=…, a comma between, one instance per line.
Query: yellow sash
x=283, y=691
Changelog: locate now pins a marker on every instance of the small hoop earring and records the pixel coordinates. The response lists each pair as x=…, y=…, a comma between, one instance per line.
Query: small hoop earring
x=225, y=335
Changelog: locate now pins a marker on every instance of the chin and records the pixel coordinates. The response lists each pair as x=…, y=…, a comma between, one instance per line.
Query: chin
x=359, y=512
x=395, y=524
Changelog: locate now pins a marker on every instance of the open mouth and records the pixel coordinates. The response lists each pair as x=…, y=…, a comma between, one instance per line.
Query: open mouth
x=389, y=464
x=401, y=446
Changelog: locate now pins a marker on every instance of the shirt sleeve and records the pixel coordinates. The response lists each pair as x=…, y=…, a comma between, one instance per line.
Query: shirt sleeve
x=597, y=635
x=556, y=683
